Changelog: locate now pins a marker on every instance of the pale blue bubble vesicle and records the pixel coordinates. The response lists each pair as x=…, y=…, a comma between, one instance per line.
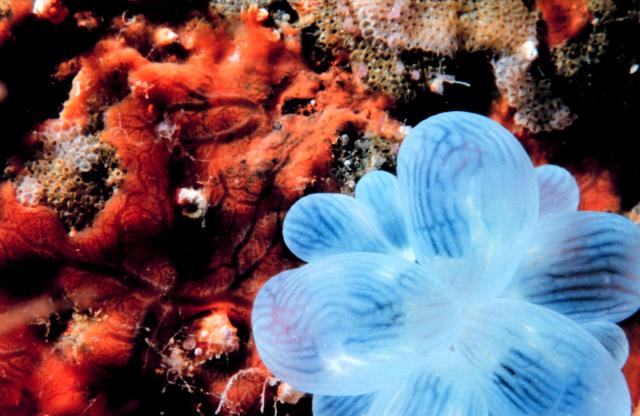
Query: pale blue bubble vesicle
x=467, y=285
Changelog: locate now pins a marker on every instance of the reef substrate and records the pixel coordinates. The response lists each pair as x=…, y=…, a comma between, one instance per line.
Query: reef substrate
x=151, y=149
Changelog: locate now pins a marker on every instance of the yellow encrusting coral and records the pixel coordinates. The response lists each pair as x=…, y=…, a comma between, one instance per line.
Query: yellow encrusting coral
x=231, y=7
x=73, y=173
x=402, y=46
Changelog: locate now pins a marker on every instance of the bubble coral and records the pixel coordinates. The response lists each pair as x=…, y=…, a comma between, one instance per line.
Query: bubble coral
x=470, y=282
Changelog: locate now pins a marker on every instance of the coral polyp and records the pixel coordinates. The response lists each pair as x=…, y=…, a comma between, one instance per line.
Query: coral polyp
x=406, y=48
x=73, y=173
x=401, y=47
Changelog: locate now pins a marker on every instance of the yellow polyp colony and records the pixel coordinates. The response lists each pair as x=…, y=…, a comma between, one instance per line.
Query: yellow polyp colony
x=538, y=110
x=73, y=173
x=356, y=153
x=571, y=57
x=229, y=7
x=401, y=47
x=444, y=26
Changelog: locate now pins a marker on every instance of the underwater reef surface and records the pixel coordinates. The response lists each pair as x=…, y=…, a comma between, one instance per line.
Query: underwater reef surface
x=151, y=148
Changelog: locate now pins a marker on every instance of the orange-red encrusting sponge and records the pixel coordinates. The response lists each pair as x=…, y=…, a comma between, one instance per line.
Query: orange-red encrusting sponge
x=223, y=116
x=564, y=19
x=12, y=12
